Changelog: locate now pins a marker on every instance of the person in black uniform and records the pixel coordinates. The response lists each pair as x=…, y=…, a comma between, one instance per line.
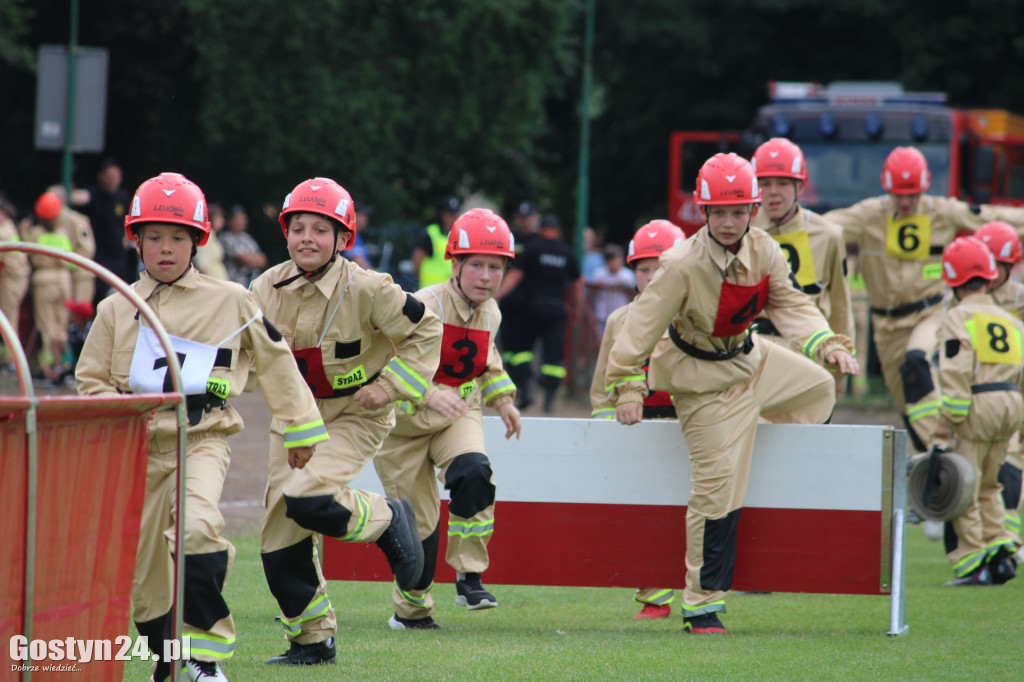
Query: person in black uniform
x=546, y=279
x=106, y=204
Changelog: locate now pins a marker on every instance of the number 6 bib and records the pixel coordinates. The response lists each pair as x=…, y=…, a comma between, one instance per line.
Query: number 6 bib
x=909, y=238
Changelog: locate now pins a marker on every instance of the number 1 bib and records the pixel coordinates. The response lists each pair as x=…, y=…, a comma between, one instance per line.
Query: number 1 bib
x=738, y=304
x=909, y=238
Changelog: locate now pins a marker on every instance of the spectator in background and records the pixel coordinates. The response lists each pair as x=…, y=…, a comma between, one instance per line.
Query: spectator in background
x=547, y=274
x=428, y=261
x=526, y=221
x=611, y=286
x=106, y=204
x=592, y=256
x=209, y=258
x=357, y=253
x=14, y=273
x=242, y=255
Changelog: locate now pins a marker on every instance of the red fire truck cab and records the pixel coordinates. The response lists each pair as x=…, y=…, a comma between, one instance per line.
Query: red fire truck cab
x=847, y=129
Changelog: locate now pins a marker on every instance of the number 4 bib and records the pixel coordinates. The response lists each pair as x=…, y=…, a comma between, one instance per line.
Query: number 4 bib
x=738, y=304
x=909, y=238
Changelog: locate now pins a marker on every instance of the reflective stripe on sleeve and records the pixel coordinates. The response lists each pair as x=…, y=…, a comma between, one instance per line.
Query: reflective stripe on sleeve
x=610, y=388
x=305, y=434
x=496, y=386
x=603, y=413
x=957, y=407
x=410, y=379
x=815, y=341
x=923, y=410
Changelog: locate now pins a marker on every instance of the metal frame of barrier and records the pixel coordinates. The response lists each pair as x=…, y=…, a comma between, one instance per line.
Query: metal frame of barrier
x=10, y=336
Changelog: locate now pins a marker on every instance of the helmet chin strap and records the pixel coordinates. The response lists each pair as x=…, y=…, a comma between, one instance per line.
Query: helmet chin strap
x=309, y=274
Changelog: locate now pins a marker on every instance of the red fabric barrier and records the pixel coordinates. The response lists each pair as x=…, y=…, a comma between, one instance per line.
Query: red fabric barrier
x=91, y=482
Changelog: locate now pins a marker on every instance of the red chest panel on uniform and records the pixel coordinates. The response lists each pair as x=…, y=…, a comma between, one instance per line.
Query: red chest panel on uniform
x=463, y=355
x=655, y=398
x=738, y=304
x=311, y=366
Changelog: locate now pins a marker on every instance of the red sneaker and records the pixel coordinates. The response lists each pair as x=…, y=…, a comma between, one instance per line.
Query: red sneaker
x=653, y=612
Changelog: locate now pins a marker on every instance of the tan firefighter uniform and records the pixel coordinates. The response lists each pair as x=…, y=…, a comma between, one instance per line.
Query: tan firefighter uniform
x=816, y=253
x=860, y=305
x=657, y=405
x=347, y=329
x=722, y=379
x=901, y=259
x=79, y=229
x=221, y=336
x=51, y=286
x=980, y=356
x=1010, y=297
x=423, y=440
x=14, y=276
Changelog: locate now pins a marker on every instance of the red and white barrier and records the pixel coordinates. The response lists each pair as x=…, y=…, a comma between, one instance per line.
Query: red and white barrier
x=594, y=503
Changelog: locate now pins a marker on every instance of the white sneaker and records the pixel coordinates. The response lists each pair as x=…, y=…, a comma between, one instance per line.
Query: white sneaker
x=205, y=671
x=933, y=530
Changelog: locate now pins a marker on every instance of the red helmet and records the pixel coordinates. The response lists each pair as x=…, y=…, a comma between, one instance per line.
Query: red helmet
x=966, y=258
x=322, y=196
x=169, y=198
x=779, y=158
x=1002, y=239
x=905, y=172
x=48, y=206
x=652, y=239
x=480, y=230
x=726, y=179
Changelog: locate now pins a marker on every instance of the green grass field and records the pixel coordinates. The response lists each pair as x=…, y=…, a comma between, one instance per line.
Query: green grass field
x=559, y=633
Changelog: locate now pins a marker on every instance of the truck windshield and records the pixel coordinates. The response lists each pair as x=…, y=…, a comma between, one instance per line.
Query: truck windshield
x=842, y=174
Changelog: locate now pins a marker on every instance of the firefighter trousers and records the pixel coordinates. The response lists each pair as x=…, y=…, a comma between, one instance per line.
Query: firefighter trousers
x=905, y=347
x=406, y=466
x=208, y=556
x=719, y=430
x=302, y=504
x=1010, y=475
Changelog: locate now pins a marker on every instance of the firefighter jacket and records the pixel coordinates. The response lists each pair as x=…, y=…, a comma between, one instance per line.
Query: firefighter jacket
x=71, y=233
x=1010, y=297
x=816, y=253
x=13, y=264
x=706, y=297
x=213, y=322
x=901, y=258
x=602, y=407
x=349, y=328
x=470, y=362
x=980, y=356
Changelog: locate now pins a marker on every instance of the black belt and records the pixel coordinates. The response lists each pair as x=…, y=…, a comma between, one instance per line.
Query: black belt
x=196, y=405
x=659, y=412
x=994, y=386
x=714, y=356
x=350, y=390
x=908, y=308
x=762, y=325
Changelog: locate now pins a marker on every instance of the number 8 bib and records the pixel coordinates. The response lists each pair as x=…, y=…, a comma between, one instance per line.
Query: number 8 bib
x=995, y=339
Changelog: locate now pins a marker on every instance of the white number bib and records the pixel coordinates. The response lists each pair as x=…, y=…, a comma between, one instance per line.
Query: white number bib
x=149, y=372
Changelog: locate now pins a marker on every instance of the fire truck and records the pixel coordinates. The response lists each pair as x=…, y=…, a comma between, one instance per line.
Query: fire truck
x=846, y=130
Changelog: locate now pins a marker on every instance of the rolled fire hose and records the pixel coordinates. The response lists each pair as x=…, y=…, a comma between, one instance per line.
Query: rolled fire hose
x=941, y=485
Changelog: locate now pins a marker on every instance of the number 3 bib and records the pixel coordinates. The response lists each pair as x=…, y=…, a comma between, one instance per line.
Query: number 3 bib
x=460, y=348
x=909, y=238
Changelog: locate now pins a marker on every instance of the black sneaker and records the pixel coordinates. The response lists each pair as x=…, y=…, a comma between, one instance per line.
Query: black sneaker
x=401, y=545
x=307, y=654
x=398, y=623
x=472, y=594
x=1002, y=566
x=704, y=624
x=979, y=576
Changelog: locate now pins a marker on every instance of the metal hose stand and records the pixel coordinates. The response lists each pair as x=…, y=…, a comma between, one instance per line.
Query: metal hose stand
x=173, y=367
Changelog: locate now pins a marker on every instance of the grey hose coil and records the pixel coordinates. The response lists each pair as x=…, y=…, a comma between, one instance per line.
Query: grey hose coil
x=952, y=485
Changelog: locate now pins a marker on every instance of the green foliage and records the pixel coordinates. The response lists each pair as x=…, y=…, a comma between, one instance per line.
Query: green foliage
x=400, y=102
x=561, y=633
x=15, y=16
